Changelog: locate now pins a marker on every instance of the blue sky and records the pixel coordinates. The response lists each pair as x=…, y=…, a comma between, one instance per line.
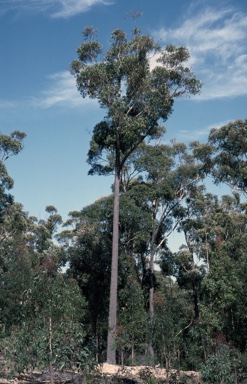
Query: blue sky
x=38, y=41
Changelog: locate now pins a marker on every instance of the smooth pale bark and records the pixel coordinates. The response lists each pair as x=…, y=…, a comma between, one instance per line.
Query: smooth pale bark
x=50, y=351
x=112, y=321
x=132, y=351
x=151, y=286
x=151, y=304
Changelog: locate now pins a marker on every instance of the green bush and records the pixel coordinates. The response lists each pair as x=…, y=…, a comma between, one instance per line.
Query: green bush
x=219, y=367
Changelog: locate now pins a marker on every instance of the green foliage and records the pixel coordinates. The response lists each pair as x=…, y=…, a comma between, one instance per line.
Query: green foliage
x=50, y=329
x=229, y=154
x=192, y=312
x=219, y=367
x=132, y=319
x=172, y=314
x=225, y=286
x=28, y=347
x=147, y=376
x=134, y=95
x=10, y=145
x=89, y=250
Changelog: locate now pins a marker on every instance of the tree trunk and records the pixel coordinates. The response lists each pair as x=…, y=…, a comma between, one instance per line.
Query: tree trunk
x=97, y=347
x=151, y=306
x=112, y=321
x=196, y=306
x=50, y=351
x=132, y=351
x=151, y=294
x=166, y=360
x=122, y=356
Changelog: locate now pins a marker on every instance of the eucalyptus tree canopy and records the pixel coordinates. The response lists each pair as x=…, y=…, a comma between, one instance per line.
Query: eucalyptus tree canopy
x=230, y=161
x=225, y=154
x=225, y=285
x=10, y=145
x=136, y=95
x=12, y=217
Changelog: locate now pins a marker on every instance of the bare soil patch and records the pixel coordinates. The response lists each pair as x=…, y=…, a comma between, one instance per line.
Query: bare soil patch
x=145, y=373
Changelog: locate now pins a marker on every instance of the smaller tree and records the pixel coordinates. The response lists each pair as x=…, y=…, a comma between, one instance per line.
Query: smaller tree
x=132, y=320
x=51, y=332
x=10, y=145
x=224, y=288
x=165, y=175
x=88, y=244
x=230, y=149
x=10, y=213
x=220, y=367
x=225, y=154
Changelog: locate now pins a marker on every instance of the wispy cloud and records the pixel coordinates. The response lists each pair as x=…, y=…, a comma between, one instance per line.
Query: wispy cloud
x=6, y=104
x=199, y=133
x=56, y=8
x=60, y=91
x=217, y=43
x=70, y=8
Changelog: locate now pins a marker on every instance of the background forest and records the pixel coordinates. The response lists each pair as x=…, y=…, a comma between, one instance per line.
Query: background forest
x=186, y=309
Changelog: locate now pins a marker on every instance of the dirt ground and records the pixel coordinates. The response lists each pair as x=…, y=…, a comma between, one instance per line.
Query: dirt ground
x=142, y=372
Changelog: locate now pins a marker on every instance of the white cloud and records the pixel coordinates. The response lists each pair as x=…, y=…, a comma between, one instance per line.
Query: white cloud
x=61, y=91
x=216, y=40
x=6, y=104
x=24, y=5
x=56, y=8
x=199, y=133
x=72, y=7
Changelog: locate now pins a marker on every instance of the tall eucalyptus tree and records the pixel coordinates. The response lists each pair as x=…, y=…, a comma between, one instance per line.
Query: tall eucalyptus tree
x=135, y=96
